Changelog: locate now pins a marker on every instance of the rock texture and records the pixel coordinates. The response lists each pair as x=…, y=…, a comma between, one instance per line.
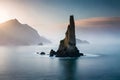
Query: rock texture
x=52, y=53
x=67, y=47
x=42, y=53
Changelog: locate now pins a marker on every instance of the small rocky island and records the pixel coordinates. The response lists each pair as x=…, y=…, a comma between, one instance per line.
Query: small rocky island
x=67, y=47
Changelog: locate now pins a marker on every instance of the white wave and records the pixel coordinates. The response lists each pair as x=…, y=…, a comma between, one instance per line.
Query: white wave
x=92, y=55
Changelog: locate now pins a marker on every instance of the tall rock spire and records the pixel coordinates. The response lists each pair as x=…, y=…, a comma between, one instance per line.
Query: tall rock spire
x=72, y=31
x=67, y=47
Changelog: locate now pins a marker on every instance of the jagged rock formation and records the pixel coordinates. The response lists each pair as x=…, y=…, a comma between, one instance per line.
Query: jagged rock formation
x=52, y=53
x=67, y=47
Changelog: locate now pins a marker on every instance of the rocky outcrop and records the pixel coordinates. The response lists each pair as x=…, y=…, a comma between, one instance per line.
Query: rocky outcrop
x=52, y=53
x=67, y=47
x=42, y=53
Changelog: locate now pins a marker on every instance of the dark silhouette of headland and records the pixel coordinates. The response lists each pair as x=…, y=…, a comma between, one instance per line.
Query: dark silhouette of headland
x=67, y=47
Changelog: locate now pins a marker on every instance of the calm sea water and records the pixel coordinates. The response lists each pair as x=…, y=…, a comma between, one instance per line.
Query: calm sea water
x=102, y=62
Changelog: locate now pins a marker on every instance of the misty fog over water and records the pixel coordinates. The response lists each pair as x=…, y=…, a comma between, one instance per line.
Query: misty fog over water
x=22, y=63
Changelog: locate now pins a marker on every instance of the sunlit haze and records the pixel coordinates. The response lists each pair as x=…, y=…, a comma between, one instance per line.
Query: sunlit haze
x=50, y=17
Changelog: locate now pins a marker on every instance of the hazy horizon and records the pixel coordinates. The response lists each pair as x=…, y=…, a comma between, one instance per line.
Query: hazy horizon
x=51, y=17
x=90, y=50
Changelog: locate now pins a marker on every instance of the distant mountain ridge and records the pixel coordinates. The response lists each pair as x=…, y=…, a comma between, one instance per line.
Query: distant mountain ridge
x=12, y=32
x=79, y=41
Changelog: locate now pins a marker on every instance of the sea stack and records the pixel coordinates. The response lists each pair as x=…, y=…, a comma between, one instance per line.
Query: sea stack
x=67, y=47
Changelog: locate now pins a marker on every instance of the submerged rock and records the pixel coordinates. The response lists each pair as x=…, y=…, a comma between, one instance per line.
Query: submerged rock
x=67, y=47
x=42, y=53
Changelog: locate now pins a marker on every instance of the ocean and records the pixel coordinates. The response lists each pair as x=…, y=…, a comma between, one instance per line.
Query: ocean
x=101, y=62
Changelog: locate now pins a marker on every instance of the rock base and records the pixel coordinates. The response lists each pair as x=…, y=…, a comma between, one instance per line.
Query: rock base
x=66, y=53
x=69, y=53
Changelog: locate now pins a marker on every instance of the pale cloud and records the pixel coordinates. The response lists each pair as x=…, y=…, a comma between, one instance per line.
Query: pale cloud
x=98, y=21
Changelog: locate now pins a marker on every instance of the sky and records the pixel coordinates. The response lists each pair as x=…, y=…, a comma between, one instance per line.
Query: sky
x=50, y=17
